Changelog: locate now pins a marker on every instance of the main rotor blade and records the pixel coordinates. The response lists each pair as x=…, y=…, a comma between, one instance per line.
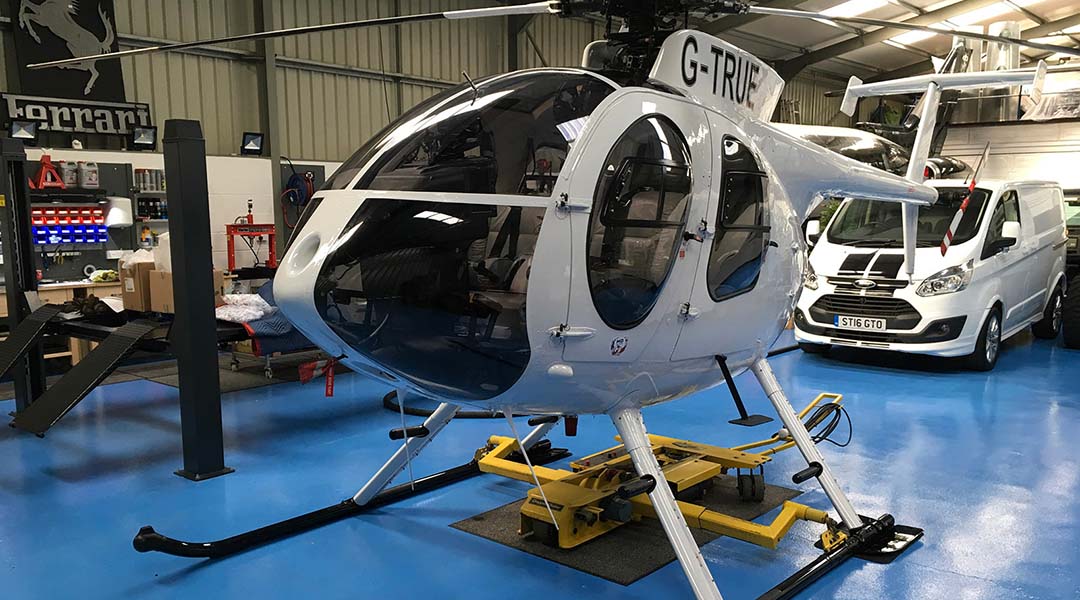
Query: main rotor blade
x=803, y=14
x=536, y=8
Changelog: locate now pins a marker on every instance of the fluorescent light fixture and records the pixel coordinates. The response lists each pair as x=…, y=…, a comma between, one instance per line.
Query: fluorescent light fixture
x=854, y=8
x=1059, y=40
x=144, y=138
x=252, y=144
x=570, y=130
x=969, y=18
x=23, y=130
x=913, y=37
x=982, y=14
x=437, y=216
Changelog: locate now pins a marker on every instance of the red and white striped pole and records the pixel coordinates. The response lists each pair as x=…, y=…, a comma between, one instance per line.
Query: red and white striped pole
x=959, y=216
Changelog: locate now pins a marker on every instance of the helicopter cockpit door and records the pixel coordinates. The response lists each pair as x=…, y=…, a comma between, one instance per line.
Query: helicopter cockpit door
x=641, y=178
x=735, y=284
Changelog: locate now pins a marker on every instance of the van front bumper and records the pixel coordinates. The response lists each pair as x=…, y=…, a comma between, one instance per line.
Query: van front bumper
x=941, y=337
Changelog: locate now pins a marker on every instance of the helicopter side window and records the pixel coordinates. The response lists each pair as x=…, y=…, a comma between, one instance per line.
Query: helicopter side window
x=742, y=231
x=639, y=213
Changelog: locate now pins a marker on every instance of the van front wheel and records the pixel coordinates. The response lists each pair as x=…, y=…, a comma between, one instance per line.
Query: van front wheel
x=989, y=345
x=1049, y=326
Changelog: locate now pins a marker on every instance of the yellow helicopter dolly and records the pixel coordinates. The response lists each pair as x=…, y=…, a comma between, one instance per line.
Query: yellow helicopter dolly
x=603, y=492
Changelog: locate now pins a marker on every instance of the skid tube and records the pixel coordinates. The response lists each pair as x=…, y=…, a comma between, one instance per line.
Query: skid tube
x=148, y=540
x=880, y=540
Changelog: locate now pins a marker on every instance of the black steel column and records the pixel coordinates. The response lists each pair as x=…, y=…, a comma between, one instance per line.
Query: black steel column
x=20, y=275
x=194, y=332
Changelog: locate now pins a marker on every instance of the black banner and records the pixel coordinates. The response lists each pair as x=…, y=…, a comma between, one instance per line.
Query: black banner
x=77, y=116
x=54, y=29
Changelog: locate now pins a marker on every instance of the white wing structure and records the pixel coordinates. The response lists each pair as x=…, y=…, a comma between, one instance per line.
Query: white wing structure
x=931, y=87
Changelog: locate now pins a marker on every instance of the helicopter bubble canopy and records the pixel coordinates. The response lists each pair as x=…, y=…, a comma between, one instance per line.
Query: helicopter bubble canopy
x=427, y=234
x=718, y=75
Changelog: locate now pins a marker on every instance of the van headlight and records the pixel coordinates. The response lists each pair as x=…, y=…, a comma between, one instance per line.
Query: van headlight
x=809, y=277
x=948, y=281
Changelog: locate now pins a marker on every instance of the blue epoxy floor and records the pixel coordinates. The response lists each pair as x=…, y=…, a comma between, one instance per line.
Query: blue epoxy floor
x=986, y=463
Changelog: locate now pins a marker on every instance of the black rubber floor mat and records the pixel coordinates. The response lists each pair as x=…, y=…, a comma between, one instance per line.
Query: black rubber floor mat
x=606, y=556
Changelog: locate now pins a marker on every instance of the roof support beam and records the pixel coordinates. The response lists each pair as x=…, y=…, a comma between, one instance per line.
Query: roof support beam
x=1044, y=30
x=920, y=68
x=791, y=67
x=1047, y=29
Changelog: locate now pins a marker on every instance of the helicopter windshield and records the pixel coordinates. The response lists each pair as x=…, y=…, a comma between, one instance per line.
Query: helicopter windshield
x=508, y=135
x=435, y=290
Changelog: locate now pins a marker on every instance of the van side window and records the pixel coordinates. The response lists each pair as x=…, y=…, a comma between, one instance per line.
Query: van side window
x=742, y=231
x=1008, y=209
x=639, y=214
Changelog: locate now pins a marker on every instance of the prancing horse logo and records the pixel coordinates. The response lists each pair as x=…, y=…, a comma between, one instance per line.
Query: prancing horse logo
x=58, y=16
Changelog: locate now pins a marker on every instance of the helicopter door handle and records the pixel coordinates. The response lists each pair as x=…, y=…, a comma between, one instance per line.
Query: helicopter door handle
x=565, y=331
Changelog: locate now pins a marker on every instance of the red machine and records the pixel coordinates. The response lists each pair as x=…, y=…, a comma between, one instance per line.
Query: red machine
x=245, y=227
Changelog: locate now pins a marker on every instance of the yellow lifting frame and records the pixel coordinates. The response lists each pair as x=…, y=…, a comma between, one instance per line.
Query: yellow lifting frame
x=493, y=459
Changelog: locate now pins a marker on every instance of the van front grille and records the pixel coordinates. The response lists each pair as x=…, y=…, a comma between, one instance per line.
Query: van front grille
x=882, y=287
x=898, y=313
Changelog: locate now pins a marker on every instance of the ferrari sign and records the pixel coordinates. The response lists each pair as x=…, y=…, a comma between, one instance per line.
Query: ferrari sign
x=77, y=116
x=54, y=29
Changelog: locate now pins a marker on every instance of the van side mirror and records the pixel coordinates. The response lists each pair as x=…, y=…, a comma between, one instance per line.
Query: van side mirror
x=1010, y=232
x=813, y=231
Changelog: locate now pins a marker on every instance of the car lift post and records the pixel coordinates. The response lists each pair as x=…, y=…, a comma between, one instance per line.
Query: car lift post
x=19, y=273
x=194, y=332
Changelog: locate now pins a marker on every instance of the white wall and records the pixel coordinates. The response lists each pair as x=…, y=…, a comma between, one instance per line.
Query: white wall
x=1049, y=151
x=231, y=181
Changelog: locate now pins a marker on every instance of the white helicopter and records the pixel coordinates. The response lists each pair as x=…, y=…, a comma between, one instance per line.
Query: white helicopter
x=595, y=240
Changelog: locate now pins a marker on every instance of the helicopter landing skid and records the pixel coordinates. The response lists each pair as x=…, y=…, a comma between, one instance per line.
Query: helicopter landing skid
x=371, y=496
x=880, y=540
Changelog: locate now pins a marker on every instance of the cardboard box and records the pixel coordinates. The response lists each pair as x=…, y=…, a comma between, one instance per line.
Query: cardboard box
x=135, y=283
x=161, y=290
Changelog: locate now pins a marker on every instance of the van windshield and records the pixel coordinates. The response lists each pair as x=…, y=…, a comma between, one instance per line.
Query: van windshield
x=875, y=224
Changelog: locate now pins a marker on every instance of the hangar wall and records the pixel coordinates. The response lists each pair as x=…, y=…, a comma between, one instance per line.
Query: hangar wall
x=335, y=90
x=1024, y=150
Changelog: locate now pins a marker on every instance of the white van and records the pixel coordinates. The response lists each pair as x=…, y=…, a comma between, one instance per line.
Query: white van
x=1004, y=270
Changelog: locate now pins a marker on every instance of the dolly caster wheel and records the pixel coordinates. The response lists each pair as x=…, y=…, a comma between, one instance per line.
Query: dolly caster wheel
x=751, y=488
x=546, y=533
x=268, y=372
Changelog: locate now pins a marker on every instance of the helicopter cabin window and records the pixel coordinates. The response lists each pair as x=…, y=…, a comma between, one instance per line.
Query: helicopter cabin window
x=742, y=231
x=509, y=134
x=639, y=215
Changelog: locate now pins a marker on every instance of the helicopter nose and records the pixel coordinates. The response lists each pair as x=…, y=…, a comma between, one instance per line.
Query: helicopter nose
x=433, y=292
